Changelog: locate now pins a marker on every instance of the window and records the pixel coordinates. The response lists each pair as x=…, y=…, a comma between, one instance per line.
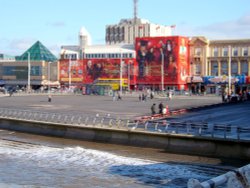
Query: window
x=245, y=51
x=197, y=51
x=214, y=68
x=225, y=52
x=35, y=71
x=234, y=68
x=215, y=52
x=244, y=67
x=197, y=69
x=235, y=52
x=224, y=68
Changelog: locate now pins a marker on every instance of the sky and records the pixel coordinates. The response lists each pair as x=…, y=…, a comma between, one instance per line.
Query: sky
x=58, y=22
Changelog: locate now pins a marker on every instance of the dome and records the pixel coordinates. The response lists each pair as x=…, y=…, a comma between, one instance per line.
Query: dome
x=83, y=32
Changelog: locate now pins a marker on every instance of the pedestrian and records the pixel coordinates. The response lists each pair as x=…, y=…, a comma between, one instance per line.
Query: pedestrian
x=143, y=97
x=160, y=108
x=113, y=96
x=119, y=96
x=49, y=98
x=140, y=97
x=152, y=95
x=170, y=95
x=153, y=109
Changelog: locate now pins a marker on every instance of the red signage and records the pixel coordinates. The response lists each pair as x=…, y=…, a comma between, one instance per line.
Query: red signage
x=108, y=69
x=167, y=56
x=248, y=80
x=74, y=67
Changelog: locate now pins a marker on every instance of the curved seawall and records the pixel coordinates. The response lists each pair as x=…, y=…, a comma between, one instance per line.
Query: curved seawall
x=185, y=144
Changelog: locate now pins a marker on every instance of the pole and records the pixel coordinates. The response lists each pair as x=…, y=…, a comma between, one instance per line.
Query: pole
x=129, y=76
x=49, y=77
x=229, y=69
x=121, y=73
x=162, y=71
x=28, y=86
x=69, y=71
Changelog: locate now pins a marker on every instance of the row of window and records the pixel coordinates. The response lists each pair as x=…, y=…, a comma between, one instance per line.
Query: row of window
x=113, y=55
x=225, y=51
x=224, y=68
x=22, y=72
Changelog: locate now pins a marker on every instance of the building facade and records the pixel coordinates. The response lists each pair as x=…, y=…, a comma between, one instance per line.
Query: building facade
x=43, y=69
x=128, y=29
x=217, y=61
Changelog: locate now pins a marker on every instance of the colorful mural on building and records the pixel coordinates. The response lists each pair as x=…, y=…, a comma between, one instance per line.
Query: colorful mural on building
x=169, y=52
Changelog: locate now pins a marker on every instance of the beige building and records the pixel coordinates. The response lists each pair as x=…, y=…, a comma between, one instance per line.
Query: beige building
x=213, y=58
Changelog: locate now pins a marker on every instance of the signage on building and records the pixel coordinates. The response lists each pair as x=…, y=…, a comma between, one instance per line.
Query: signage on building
x=169, y=52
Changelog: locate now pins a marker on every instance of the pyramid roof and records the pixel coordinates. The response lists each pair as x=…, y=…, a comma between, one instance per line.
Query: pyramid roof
x=38, y=52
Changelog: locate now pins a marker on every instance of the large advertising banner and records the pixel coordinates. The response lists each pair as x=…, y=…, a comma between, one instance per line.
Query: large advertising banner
x=155, y=53
x=94, y=69
x=74, y=67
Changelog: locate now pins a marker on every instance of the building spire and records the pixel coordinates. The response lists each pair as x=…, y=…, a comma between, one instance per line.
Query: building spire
x=135, y=10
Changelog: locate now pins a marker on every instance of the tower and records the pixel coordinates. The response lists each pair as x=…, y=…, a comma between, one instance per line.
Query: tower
x=84, y=41
x=135, y=10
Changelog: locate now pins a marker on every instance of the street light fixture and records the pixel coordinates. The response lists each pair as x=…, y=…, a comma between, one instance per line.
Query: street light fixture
x=162, y=70
x=229, y=69
x=28, y=86
x=121, y=64
x=49, y=77
x=69, y=70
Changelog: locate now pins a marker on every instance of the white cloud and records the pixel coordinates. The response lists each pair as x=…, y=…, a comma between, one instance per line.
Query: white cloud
x=233, y=29
x=55, y=49
x=19, y=46
x=56, y=24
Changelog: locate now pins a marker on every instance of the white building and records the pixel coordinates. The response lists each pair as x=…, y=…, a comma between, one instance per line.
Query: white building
x=87, y=51
x=128, y=29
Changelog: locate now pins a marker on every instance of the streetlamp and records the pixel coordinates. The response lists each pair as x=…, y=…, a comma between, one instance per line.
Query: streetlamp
x=121, y=63
x=28, y=86
x=162, y=70
x=129, y=75
x=69, y=71
x=229, y=69
x=49, y=77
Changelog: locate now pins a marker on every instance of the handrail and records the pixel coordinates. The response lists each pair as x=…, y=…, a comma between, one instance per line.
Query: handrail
x=202, y=129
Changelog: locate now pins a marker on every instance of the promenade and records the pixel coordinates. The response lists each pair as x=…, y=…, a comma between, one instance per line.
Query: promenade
x=128, y=108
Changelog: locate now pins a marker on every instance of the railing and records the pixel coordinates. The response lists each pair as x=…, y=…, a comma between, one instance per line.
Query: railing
x=235, y=178
x=202, y=129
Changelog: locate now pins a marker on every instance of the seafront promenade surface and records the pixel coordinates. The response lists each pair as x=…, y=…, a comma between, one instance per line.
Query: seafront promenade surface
x=129, y=107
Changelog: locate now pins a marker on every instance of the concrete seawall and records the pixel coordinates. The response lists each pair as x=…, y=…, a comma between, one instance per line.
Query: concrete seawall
x=184, y=144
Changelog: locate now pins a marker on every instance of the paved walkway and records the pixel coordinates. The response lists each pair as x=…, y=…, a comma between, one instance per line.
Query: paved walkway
x=128, y=107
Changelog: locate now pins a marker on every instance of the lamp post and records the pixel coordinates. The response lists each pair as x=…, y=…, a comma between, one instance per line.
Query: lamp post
x=28, y=86
x=162, y=70
x=229, y=69
x=129, y=75
x=121, y=72
x=69, y=71
x=49, y=77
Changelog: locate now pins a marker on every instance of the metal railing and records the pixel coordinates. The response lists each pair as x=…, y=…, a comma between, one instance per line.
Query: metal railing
x=202, y=129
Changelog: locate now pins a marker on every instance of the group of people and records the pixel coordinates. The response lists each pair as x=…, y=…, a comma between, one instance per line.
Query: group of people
x=162, y=109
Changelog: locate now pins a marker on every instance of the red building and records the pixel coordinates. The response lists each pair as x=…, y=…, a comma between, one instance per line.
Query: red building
x=160, y=63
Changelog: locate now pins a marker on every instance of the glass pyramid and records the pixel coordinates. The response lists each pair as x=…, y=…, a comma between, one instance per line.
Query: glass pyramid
x=38, y=52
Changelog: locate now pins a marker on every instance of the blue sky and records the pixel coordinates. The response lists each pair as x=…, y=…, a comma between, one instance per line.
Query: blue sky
x=57, y=22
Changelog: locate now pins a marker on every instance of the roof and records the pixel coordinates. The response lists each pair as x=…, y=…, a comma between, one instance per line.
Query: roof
x=38, y=52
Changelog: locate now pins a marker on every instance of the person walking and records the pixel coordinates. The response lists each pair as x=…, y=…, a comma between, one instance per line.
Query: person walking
x=119, y=96
x=160, y=108
x=153, y=109
x=49, y=98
